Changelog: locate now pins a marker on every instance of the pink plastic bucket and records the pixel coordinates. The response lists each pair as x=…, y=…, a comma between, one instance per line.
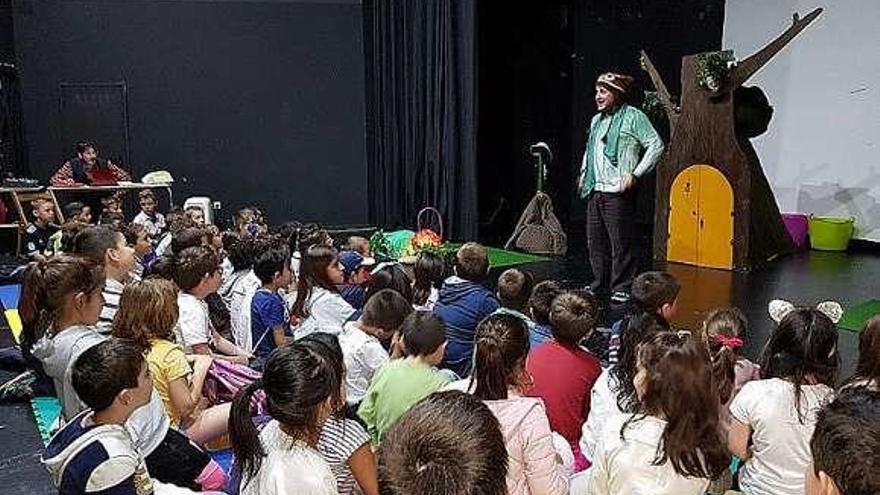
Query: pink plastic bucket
x=798, y=225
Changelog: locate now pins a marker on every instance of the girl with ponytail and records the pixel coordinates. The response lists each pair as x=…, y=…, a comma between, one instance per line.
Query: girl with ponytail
x=671, y=444
x=724, y=332
x=60, y=304
x=500, y=379
x=304, y=387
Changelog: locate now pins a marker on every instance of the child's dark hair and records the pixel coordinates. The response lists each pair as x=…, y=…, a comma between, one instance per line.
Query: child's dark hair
x=297, y=379
x=386, y=310
x=132, y=231
x=73, y=209
x=192, y=264
x=240, y=250
x=428, y=272
x=146, y=194
x=147, y=310
x=846, y=441
x=868, y=365
x=46, y=285
x=390, y=277
x=724, y=330
x=449, y=443
x=270, y=260
x=515, y=289
x=652, y=290
x=187, y=237
x=104, y=370
x=472, y=262
x=542, y=297
x=311, y=234
x=803, y=344
x=111, y=218
x=313, y=273
x=641, y=328
x=678, y=387
x=501, y=347
x=422, y=333
x=573, y=316
x=93, y=242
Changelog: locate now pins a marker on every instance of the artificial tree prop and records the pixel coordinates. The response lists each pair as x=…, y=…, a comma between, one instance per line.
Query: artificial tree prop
x=705, y=149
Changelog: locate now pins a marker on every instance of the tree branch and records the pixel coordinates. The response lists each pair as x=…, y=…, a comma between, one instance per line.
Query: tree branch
x=662, y=90
x=747, y=68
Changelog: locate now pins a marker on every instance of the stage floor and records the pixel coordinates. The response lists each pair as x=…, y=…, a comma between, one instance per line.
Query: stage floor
x=807, y=278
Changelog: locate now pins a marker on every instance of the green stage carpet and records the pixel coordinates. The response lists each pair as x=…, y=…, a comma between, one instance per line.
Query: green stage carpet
x=855, y=317
x=502, y=258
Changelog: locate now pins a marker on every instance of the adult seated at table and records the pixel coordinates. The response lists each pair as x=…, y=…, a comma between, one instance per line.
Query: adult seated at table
x=87, y=169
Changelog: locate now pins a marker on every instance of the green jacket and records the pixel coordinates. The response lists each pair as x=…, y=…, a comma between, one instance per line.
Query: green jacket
x=631, y=144
x=395, y=387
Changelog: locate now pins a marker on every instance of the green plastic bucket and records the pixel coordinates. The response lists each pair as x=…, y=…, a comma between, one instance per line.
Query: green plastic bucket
x=831, y=233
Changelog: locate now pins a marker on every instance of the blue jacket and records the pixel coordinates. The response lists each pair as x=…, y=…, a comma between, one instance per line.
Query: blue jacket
x=462, y=305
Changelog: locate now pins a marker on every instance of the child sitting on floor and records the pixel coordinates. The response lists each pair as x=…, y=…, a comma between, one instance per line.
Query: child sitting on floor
x=237, y=291
x=867, y=372
x=672, y=445
x=355, y=274
x=344, y=442
x=845, y=445
x=147, y=315
x=463, y=302
x=136, y=237
x=513, y=292
x=447, y=444
x=724, y=332
x=38, y=233
x=269, y=327
x=303, y=387
x=361, y=341
x=107, y=248
x=774, y=418
x=428, y=273
x=542, y=297
x=197, y=274
x=319, y=307
x=655, y=296
x=614, y=392
x=94, y=453
x=500, y=379
x=563, y=373
x=77, y=211
x=402, y=382
x=149, y=217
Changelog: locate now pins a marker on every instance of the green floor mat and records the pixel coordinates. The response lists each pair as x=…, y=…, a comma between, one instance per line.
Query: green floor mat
x=855, y=317
x=502, y=258
x=47, y=413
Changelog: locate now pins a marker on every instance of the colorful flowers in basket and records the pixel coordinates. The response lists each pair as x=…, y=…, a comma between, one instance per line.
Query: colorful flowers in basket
x=425, y=240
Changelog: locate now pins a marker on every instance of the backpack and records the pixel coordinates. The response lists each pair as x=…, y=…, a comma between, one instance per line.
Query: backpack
x=538, y=230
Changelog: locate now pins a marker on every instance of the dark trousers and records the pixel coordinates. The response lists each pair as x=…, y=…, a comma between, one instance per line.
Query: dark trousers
x=610, y=218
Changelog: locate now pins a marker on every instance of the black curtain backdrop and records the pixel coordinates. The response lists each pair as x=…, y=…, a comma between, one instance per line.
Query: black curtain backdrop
x=421, y=106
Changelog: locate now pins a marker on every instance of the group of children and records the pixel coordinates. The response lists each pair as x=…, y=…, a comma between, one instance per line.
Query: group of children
x=384, y=378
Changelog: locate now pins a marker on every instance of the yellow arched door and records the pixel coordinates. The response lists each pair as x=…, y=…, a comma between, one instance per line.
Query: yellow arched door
x=701, y=218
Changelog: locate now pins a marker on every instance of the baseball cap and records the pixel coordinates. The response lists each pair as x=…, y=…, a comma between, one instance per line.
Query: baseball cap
x=352, y=260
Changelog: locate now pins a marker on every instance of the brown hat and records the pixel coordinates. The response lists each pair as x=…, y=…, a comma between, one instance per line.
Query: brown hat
x=615, y=82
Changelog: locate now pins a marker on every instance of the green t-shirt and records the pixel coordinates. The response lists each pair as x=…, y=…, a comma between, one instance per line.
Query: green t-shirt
x=395, y=387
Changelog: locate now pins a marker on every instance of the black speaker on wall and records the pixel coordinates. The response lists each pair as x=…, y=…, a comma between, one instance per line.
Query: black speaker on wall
x=97, y=112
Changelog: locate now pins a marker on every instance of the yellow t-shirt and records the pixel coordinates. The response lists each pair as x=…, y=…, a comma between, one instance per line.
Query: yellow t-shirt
x=167, y=363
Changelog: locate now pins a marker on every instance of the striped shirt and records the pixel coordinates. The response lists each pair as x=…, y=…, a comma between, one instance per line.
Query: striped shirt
x=340, y=438
x=112, y=292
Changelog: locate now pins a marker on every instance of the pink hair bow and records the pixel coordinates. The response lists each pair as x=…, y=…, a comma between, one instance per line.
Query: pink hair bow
x=728, y=341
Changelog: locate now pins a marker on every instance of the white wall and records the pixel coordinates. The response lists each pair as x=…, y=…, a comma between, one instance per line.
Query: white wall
x=822, y=151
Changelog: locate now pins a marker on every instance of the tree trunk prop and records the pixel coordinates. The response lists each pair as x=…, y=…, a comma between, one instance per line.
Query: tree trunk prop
x=715, y=207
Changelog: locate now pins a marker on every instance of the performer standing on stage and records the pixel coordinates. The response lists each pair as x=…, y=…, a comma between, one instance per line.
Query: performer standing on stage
x=80, y=170
x=622, y=146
